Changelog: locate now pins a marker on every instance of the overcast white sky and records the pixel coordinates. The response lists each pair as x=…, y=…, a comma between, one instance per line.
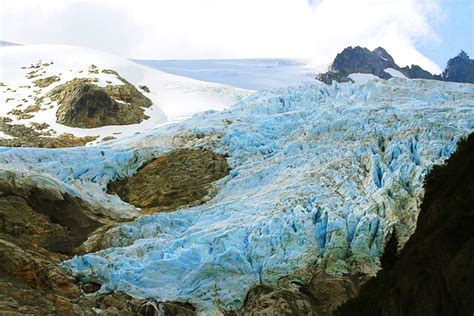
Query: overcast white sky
x=191, y=29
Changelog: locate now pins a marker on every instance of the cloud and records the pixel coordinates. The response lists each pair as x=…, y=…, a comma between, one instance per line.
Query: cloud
x=226, y=28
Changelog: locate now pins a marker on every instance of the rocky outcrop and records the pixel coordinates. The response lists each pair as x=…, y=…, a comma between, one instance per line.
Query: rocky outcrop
x=361, y=60
x=176, y=179
x=459, y=69
x=84, y=104
x=434, y=272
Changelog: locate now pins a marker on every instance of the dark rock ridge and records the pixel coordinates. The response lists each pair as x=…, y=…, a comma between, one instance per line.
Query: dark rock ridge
x=361, y=60
x=84, y=104
x=179, y=178
x=459, y=69
x=434, y=273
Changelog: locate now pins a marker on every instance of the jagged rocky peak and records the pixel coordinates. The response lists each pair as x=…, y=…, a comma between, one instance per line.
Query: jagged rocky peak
x=460, y=69
x=360, y=60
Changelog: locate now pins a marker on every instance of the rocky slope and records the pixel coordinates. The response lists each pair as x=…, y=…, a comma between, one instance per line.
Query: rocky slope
x=433, y=274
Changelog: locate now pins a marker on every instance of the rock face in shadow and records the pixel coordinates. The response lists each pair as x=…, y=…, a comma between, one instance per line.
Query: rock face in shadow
x=84, y=104
x=459, y=69
x=176, y=179
x=434, y=272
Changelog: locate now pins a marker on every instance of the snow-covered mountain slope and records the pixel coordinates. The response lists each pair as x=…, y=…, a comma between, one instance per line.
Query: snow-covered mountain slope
x=173, y=97
x=319, y=175
x=5, y=43
x=253, y=74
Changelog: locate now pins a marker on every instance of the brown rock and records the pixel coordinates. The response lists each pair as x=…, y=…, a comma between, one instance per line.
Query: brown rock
x=175, y=179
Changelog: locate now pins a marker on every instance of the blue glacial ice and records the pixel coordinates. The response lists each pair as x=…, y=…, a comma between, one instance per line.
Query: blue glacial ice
x=320, y=174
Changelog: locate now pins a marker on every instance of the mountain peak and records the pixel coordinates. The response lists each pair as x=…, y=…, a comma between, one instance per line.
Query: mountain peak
x=463, y=55
x=459, y=69
x=376, y=63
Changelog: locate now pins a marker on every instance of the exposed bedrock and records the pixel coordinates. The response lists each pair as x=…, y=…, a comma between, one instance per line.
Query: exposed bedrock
x=183, y=177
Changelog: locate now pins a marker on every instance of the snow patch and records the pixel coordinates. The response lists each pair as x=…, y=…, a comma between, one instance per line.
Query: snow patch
x=395, y=73
x=361, y=78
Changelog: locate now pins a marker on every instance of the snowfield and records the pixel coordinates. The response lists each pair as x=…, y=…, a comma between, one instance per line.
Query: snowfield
x=173, y=97
x=253, y=74
x=320, y=175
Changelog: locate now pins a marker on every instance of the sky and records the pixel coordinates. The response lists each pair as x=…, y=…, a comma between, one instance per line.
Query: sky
x=424, y=32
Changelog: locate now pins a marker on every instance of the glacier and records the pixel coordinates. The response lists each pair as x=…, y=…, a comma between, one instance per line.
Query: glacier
x=320, y=175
